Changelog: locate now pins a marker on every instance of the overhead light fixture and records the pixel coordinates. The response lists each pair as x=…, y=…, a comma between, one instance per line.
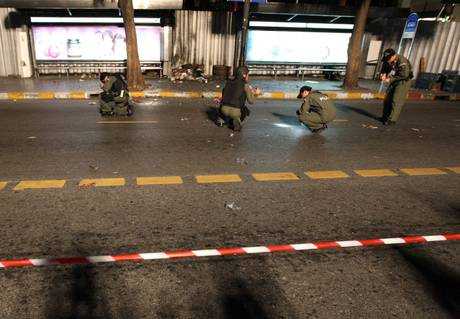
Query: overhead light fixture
x=91, y=20
x=301, y=25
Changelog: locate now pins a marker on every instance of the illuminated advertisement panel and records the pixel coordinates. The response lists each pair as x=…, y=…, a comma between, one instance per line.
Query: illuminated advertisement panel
x=297, y=47
x=94, y=43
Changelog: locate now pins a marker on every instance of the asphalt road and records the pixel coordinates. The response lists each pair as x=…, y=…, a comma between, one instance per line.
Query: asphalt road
x=66, y=140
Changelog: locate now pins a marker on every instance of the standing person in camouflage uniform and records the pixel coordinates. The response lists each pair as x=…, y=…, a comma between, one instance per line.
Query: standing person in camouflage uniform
x=234, y=97
x=317, y=109
x=397, y=71
x=114, y=98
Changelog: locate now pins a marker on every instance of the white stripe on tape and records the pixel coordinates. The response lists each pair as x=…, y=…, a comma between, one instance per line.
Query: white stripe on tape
x=435, y=238
x=149, y=256
x=390, y=241
x=206, y=252
x=256, y=250
x=40, y=262
x=304, y=246
x=1, y=265
x=349, y=243
x=100, y=259
x=3, y=96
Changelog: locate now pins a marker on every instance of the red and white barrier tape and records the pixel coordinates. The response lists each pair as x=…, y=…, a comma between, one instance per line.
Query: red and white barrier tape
x=182, y=254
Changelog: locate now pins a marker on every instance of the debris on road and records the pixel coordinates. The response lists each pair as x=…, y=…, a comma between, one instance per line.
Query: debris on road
x=232, y=206
x=31, y=137
x=92, y=103
x=241, y=161
x=184, y=119
x=189, y=72
x=94, y=167
x=372, y=127
x=415, y=129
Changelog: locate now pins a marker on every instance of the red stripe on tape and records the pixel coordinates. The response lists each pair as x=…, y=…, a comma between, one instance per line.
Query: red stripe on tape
x=275, y=248
x=127, y=257
x=16, y=263
x=231, y=251
x=414, y=239
x=452, y=236
x=180, y=254
x=327, y=245
x=372, y=242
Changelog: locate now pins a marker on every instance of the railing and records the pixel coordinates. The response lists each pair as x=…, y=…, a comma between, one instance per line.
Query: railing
x=298, y=70
x=86, y=67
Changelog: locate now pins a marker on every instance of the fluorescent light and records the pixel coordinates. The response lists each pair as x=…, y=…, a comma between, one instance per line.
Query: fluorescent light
x=90, y=20
x=301, y=25
x=330, y=26
x=277, y=24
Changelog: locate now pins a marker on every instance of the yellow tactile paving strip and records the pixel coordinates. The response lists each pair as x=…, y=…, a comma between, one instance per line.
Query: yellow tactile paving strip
x=159, y=180
x=40, y=184
x=326, y=174
x=102, y=182
x=422, y=171
x=375, y=172
x=228, y=178
x=270, y=177
x=209, y=179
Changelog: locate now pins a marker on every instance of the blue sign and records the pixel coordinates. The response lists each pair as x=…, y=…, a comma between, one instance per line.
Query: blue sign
x=411, y=26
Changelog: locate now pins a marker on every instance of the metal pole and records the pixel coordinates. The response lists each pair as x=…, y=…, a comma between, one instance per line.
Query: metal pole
x=244, y=33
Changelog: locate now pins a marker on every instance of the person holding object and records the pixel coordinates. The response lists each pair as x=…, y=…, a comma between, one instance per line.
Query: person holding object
x=234, y=97
x=397, y=71
x=114, y=98
x=317, y=109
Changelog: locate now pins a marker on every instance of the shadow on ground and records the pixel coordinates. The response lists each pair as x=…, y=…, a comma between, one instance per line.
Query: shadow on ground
x=441, y=279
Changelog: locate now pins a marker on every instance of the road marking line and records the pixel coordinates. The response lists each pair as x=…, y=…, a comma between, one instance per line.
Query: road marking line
x=326, y=174
x=454, y=169
x=422, y=171
x=101, y=182
x=3, y=185
x=269, y=177
x=38, y=184
x=375, y=172
x=127, y=122
x=206, y=179
x=160, y=180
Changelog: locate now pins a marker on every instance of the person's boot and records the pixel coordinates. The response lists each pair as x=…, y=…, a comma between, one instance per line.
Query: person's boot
x=220, y=122
x=319, y=130
x=237, y=126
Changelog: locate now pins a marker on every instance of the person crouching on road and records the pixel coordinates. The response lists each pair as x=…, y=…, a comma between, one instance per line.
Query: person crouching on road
x=234, y=97
x=397, y=71
x=317, y=109
x=114, y=98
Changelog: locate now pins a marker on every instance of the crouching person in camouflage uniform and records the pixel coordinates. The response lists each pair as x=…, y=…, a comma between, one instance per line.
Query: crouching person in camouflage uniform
x=317, y=109
x=114, y=99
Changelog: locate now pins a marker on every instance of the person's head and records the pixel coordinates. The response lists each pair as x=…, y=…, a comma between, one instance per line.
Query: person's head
x=304, y=91
x=389, y=56
x=103, y=77
x=242, y=73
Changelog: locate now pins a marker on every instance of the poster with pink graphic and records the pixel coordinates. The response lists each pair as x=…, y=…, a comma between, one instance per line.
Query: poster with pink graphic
x=94, y=43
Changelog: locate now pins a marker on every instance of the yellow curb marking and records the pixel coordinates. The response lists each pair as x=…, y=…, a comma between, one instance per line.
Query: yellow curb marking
x=267, y=177
x=454, y=169
x=77, y=95
x=326, y=174
x=102, y=182
x=3, y=185
x=127, y=122
x=46, y=95
x=422, y=171
x=160, y=180
x=51, y=183
x=230, y=178
x=15, y=95
x=375, y=172
x=137, y=94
